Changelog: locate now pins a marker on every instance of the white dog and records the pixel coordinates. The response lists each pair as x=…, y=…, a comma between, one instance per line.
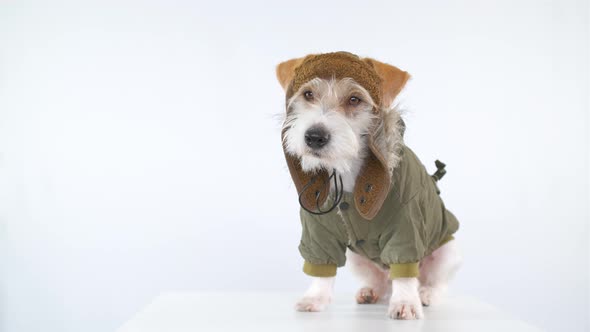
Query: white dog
x=335, y=125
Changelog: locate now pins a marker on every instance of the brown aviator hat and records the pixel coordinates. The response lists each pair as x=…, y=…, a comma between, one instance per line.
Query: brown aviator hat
x=383, y=82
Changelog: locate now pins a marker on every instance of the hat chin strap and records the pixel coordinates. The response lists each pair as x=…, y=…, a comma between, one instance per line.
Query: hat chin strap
x=338, y=190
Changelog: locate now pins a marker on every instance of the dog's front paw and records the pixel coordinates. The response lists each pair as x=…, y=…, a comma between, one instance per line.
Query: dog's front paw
x=312, y=303
x=405, y=300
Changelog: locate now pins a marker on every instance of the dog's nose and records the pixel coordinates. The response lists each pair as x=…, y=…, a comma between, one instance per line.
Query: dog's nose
x=316, y=137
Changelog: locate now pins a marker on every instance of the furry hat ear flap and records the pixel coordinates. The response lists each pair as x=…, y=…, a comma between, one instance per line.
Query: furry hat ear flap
x=285, y=72
x=373, y=182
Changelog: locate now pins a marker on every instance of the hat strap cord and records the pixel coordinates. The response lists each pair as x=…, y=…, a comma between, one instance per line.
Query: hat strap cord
x=339, y=192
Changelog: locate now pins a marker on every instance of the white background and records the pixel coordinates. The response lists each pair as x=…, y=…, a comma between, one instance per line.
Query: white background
x=140, y=148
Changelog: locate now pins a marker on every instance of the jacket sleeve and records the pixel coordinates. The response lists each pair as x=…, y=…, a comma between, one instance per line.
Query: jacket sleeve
x=406, y=241
x=319, y=247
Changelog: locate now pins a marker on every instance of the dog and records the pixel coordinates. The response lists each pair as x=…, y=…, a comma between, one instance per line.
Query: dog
x=365, y=197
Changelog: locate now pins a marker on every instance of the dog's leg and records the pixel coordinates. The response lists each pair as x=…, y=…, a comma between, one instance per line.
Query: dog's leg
x=317, y=296
x=437, y=270
x=375, y=280
x=405, y=301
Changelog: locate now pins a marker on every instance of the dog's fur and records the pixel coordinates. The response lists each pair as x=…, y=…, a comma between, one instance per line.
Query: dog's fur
x=349, y=126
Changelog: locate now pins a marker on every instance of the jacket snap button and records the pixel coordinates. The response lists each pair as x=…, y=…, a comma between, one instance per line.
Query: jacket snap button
x=360, y=242
x=344, y=206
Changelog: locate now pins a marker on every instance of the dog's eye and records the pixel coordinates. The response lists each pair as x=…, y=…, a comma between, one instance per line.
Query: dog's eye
x=354, y=101
x=308, y=95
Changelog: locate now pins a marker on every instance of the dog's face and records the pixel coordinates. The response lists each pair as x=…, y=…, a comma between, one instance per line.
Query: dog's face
x=327, y=124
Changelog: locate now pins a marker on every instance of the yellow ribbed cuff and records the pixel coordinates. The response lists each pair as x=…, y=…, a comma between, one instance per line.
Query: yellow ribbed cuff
x=319, y=270
x=406, y=270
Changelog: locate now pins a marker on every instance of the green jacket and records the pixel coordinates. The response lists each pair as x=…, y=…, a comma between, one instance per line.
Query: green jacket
x=412, y=223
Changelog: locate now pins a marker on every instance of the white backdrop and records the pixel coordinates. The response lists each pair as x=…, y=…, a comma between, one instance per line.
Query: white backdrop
x=140, y=148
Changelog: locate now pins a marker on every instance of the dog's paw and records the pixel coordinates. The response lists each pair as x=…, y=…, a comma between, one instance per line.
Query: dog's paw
x=430, y=295
x=366, y=295
x=405, y=310
x=312, y=303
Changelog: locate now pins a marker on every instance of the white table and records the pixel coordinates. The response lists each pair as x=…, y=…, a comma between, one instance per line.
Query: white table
x=196, y=312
